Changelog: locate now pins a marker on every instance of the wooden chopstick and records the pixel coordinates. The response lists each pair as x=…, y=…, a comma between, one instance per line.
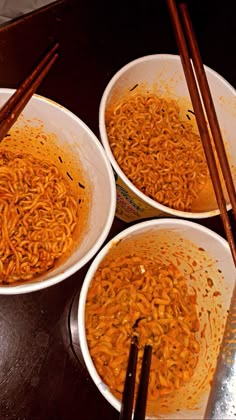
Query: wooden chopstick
x=128, y=393
x=209, y=105
x=141, y=400
x=11, y=110
x=200, y=119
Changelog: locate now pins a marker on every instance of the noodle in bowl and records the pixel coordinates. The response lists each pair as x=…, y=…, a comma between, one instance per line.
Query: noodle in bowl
x=148, y=129
x=170, y=281
x=52, y=217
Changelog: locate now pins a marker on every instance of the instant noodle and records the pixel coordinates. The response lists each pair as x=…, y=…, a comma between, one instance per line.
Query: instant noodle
x=158, y=151
x=52, y=217
x=149, y=131
x=170, y=281
x=38, y=214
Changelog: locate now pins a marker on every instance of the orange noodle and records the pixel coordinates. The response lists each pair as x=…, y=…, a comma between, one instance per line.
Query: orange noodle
x=159, y=153
x=137, y=295
x=38, y=214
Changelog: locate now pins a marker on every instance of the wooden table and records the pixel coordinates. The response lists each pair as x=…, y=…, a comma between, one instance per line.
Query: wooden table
x=42, y=376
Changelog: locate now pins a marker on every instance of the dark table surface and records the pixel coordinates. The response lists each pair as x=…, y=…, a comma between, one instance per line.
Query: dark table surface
x=42, y=376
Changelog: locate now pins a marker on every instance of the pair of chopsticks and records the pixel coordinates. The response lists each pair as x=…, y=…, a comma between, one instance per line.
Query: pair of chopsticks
x=191, y=58
x=16, y=103
x=128, y=393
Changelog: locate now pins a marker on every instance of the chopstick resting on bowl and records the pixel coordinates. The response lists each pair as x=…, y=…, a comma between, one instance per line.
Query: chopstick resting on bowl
x=128, y=393
x=11, y=110
x=187, y=59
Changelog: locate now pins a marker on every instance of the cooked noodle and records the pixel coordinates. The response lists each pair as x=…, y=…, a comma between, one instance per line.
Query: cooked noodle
x=159, y=153
x=134, y=295
x=38, y=214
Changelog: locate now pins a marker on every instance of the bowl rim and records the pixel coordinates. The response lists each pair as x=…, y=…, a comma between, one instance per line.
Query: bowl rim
x=105, y=141
x=159, y=222
x=40, y=285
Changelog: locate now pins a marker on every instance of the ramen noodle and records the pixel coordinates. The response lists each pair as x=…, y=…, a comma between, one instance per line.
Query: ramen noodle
x=158, y=151
x=38, y=215
x=142, y=296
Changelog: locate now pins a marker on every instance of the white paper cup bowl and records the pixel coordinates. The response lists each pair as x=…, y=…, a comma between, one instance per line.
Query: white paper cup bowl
x=81, y=146
x=163, y=75
x=201, y=255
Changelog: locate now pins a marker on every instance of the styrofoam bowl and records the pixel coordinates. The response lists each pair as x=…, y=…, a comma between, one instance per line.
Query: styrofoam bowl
x=201, y=255
x=163, y=75
x=79, y=144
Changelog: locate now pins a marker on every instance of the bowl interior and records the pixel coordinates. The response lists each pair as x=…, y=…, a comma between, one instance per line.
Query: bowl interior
x=205, y=260
x=163, y=75
x=67, y=138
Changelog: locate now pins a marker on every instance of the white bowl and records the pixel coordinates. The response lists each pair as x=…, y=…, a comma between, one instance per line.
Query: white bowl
x=201, y=255
x=77, y=142
x=163, y=75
